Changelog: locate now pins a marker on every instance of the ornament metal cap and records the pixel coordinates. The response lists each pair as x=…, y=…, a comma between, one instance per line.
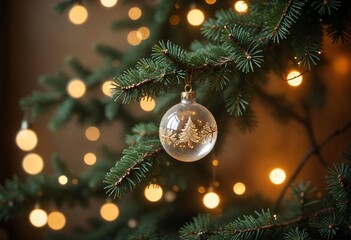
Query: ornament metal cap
x=188, y=95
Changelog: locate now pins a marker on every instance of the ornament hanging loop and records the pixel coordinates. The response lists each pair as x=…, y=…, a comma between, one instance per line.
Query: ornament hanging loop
x=188, y=88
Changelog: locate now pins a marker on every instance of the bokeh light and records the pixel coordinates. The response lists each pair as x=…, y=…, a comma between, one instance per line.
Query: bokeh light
x=90, y=158
x=241, y=6
x=277, y=176
x=105, y=88
x=147, y=104
x=294, y=78
x=132, y=223
x=195, y=17
x=239, y=188
x=144, y=33
x=78, y=14
x=201, y=189
x=38, y=217
x=170, y=196
x=26, y=139
x=56, y=220
x=215, y=162
x=76, y=88
x=108, y=3
x=211, y=200
x=63, y=180
x=174, y=20
x=109, y=211
x=134, y=38
x=92, y=133
x=134, y=13
x=210, y=2
x=32, y=163
x=341, y=64
x=153, y=192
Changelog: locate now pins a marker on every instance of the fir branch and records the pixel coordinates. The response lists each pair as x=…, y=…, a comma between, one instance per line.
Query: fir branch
x=305, y=159
x=170, y=53
x=326, y=6
x=139, y=161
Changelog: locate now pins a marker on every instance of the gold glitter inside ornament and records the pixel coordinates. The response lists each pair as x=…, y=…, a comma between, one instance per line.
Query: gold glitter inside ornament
x=188, y=131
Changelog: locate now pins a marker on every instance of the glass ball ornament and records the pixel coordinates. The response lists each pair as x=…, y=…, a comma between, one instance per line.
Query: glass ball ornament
x=188, y=131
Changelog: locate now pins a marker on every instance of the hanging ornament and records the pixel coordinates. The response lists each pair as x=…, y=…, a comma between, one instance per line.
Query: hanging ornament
x=188, y=131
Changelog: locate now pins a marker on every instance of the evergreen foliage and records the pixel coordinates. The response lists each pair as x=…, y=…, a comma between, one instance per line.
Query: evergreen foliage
x=231, y=65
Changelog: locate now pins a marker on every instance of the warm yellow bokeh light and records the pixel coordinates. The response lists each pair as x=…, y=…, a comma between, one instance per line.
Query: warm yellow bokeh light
x=78, y=14
x=56, y=220
x=32, y=163
x=144, y=32
x=215, y=162
x=277, y=176
x=195, y=17
x=241, y=6
x=211, y=200
x=76, y=88
x=170, y=196
x=109, y=211
x=105, y=88
x=239, y=188
x=210, y=2
x=341, y=65
x=134, y=38
x=132, y=223
x=89, y=158
x=147, y=104
x=108, y=3
x=26, y=139
x=134, y=13
x=63, y=180
x=174, y=20
x=201, y=189
x=92, y=133
x=294, y=78
x=38, y=217
x=153, y=192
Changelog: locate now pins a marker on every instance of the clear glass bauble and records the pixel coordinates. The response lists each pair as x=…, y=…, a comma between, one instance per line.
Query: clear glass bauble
x=188, y=131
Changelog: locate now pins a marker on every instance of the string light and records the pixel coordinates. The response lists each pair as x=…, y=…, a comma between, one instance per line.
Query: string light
x=90, y=158
x=239, y=188
x=277, y=176
x=32, y=163
x=134, y=13
x=294, y=78
x=78, y=14
x=38, y=217
x=26, y=139
x=215, y=163
x=147, y=104
x=153, y=192
x=92, y=133
x=174, y=20
x=105, y=88
x=195, y=17
x=134, y=38
x=56, y=220
x=63, y=180
x=76, y=88
x=211, y=200
x=108, y=3
x=109, y=211
x=210, y=2
x=241, y=6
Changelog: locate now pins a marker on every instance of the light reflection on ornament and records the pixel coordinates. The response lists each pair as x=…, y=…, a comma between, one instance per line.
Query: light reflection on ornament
x=195, y=17
x=277, y=176
x=38, y=217
x=239, y=188
x=32, y=163
x=211, y=200
x=56, y=220
x=294, y=78
x=109, y=211
x=153, y=192
x=241, y=6
x=78, y=14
